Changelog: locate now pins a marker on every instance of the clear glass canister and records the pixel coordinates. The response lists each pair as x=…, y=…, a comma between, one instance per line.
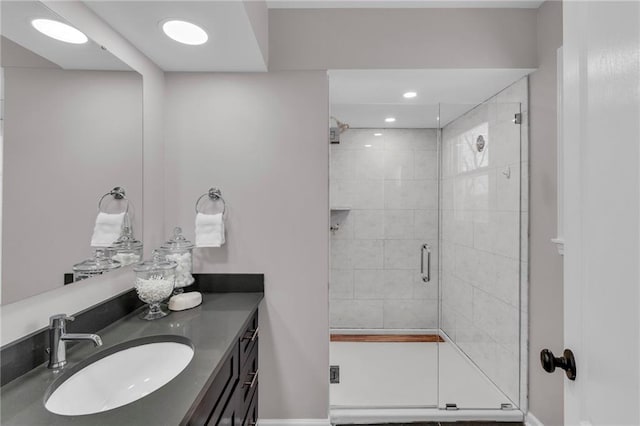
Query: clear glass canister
x=126, y=250
x=155, y=280
x=97, y=265
x=180, y=250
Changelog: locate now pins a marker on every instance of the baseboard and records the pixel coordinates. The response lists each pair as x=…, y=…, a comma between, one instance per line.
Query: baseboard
x=293, y=422
x=531, y=420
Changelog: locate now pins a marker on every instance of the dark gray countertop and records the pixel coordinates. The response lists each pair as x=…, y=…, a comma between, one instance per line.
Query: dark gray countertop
x=213, y=327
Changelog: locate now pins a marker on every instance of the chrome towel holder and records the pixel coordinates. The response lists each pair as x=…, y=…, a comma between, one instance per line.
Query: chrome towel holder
x=117, y=193
x=214, y=195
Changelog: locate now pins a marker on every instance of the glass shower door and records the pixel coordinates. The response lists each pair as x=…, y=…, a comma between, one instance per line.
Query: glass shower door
x=384, y=197
x=481, y=165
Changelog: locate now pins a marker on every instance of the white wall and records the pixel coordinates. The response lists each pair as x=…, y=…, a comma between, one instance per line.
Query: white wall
x=545, y=297
x=390, y=182
x=401, y=38
x=263, y=140
x=59, y=126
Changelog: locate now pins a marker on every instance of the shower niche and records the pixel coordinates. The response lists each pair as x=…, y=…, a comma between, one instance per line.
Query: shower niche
x=450, y=175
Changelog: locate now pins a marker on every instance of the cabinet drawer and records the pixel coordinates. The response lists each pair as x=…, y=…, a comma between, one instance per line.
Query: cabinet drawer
x=248, y=382
x=251, y=417
x=223, y=386
x=249, y=339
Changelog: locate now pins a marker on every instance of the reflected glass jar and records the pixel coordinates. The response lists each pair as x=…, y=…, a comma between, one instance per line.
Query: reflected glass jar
x=155, y=280
x=180, y=250
x=97, y=265
x=126, y=250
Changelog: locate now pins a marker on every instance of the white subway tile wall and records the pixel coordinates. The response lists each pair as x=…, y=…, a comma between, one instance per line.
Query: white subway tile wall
x=390, y=184
x=484, y=235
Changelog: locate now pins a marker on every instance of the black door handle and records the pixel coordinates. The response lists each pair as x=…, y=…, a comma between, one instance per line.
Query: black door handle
x=567, y=362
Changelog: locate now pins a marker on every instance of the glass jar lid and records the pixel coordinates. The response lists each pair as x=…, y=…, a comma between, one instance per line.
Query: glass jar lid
x=126, y=241
x=157, y=263
x=99, y=263
x=178, y=242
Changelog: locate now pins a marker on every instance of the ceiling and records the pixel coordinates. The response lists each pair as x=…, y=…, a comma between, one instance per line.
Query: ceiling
x=402, y=4
x=236, y=29
x=16, y=26
x=364, y=98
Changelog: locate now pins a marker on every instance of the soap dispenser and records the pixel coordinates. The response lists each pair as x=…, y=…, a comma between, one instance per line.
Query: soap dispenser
x=180, y=250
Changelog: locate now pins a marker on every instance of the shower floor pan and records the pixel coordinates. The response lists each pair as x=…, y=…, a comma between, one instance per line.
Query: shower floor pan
x=396, y=382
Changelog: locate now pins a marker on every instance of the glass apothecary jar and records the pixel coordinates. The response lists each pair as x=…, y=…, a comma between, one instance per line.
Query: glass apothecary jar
x=97, y=265
x=126, y=250
x=180, y=250
x=155, y=280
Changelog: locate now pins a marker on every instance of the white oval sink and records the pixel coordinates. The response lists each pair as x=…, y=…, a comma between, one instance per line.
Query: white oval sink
x=119, y=375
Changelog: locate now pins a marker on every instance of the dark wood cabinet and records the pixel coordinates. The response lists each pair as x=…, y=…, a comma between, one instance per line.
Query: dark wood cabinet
x=232, y=397
x=251, y=417
x=228, y=417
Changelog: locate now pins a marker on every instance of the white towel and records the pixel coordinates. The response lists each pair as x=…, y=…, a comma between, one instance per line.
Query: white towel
x=107, y=230
x=209, y=230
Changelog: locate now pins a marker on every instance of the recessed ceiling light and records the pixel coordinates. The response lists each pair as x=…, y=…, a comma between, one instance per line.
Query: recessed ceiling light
x=368, y=145
x=377, y=134
x=389, y=119
x=410, y=95
x=59, y=31
x=184, y=32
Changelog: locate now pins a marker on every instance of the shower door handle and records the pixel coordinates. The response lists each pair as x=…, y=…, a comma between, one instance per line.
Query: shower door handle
x=425, y=248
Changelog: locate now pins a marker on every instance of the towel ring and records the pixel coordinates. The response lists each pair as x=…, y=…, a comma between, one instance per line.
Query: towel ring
x=117, y=193
x=214, y=194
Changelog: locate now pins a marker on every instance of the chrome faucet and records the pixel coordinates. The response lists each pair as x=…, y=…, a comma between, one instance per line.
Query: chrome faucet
x=58, y=337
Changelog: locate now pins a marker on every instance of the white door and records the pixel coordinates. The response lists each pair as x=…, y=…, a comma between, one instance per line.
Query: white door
x=602, y=217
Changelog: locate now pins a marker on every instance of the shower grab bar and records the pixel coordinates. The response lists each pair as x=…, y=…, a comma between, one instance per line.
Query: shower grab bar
x=425, y=278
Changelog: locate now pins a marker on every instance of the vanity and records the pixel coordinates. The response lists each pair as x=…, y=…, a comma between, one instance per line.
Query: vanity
x=219, y=386
x=77, y=124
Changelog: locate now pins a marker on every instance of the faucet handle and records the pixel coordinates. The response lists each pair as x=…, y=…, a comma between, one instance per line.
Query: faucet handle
x=58, y=319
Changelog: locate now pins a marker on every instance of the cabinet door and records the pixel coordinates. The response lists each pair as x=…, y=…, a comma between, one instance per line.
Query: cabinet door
x=220, y=391
x=228, y=416
x=251, y=418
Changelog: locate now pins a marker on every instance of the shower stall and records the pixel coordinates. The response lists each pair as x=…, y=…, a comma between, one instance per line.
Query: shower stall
x=428, y=277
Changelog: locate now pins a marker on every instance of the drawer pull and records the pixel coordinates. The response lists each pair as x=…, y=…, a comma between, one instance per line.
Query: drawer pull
x=254, y=335
x=253, y=381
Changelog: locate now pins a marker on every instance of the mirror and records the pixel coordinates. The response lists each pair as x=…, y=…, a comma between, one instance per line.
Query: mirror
x=71, y=133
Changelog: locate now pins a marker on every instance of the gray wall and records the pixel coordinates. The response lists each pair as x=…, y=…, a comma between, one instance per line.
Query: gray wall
x=545, y=294
x=401, y=38
x=262, y=139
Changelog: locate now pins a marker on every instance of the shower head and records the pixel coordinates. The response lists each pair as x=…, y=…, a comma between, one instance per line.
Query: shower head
x=342, y=127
